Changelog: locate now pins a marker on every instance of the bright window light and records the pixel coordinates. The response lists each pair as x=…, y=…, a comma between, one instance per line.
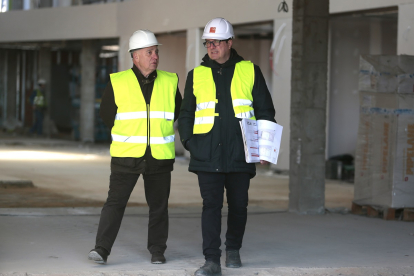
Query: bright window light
x=4, y=5
x=110, y=47
x=44, y=155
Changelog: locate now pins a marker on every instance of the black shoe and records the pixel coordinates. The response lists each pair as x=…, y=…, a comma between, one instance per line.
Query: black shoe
x=210, y=268
x=99, y=255
x=233, y=259
x=157, y=258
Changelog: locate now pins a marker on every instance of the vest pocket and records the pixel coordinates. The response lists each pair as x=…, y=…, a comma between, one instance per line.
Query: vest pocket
x=200, y=147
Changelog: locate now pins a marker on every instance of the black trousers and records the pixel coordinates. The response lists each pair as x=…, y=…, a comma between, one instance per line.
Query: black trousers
x=212, y=189
x=157, y=192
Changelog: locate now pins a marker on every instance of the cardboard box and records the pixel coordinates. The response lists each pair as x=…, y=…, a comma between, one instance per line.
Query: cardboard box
x=403, y=169
x=363, y=178
x=384, y=163
x=382, y=158
x=406, y=76
x=378, y=73
x=386, y=74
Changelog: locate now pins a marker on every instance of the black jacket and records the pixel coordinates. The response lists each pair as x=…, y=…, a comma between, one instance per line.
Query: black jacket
x=146, y=164
x=221, y=149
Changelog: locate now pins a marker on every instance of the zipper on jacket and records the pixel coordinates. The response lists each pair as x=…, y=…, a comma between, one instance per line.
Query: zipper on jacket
x=148, y=125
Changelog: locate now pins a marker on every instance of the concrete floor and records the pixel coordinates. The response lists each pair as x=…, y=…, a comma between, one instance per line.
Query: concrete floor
x=55, y=241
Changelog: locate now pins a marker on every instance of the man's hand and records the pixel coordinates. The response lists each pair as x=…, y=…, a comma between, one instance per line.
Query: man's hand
x=263, y=162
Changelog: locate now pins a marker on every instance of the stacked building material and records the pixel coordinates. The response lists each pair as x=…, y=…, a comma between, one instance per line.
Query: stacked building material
x=384, y=163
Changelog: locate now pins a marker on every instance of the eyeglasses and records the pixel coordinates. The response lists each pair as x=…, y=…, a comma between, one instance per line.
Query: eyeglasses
x=215, y=43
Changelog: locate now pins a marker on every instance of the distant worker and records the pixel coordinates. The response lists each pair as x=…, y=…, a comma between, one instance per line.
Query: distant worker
x=140, y=106
x=219, y=93
x=38, y=101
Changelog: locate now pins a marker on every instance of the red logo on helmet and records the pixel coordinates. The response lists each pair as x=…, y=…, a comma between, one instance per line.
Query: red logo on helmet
x=212, y=29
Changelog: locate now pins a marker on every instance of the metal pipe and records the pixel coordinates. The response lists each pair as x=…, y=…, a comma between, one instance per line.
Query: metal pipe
x=23, y=111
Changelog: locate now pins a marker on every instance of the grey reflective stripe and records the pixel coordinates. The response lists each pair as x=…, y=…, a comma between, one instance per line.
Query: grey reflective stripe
x=247, y=114
x=162, y=115
x=143, y=139
x=129, y=139
x=204, y=120
x=162, y=140
x=143, y=115
x=205, y=105
x=243, y=102
x=131, y=115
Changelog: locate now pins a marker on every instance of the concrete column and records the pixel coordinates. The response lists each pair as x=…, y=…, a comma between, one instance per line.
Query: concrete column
x=195, y=49
x=45, y=72
x=3, y=86
x=308, y=106
x=405, y=44
x=87, y=106
x=193, y=57
x=18, y=84
x=10, y=117
x=124, y=57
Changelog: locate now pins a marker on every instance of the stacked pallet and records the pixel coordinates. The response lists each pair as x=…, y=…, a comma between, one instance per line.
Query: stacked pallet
x=384, y=163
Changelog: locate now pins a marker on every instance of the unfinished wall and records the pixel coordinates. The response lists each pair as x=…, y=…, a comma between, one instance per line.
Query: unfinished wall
x=337, y=6
x=406, y=29
x=350, y=38
x=75, y=22
x=172, y=55
x=281, y=90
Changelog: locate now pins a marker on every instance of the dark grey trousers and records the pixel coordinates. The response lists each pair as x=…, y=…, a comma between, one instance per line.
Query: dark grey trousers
x=157, y=192
x=212, y=189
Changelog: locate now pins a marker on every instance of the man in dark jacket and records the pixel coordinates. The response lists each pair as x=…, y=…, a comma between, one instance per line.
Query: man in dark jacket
x=140, y=106
x=218, y=94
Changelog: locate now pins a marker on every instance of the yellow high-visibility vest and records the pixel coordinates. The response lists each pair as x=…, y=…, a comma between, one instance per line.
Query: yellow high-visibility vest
x=39, y=99
x=204, y=90
x=137, y=124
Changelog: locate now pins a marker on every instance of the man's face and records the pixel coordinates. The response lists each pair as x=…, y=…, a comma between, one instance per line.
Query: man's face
x=146, y=59
x=221, y=52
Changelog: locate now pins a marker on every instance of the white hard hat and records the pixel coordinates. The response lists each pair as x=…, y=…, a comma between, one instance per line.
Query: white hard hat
x=142, y=39
x=218, y=28
x=41, y=81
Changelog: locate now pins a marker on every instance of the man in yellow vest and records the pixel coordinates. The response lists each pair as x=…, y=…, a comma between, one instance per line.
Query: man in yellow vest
x=38, y=101
x=140, y=106
x=218, y=94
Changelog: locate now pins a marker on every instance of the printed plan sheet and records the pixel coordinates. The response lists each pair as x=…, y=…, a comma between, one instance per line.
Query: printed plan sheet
x=261, y=140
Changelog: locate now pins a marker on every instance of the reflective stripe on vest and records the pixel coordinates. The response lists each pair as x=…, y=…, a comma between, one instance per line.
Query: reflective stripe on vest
x=130, y=136
x=204, y=90
x=143, y=114
x=143, y=139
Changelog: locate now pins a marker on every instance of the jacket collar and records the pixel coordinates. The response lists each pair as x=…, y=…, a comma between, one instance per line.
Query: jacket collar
x=233, y=59
x=141, y=78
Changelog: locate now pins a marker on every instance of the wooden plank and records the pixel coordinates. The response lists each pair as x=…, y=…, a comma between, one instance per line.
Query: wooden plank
x=408, y=214
x=389, y=214
x=372, y=212
x=357, y=209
